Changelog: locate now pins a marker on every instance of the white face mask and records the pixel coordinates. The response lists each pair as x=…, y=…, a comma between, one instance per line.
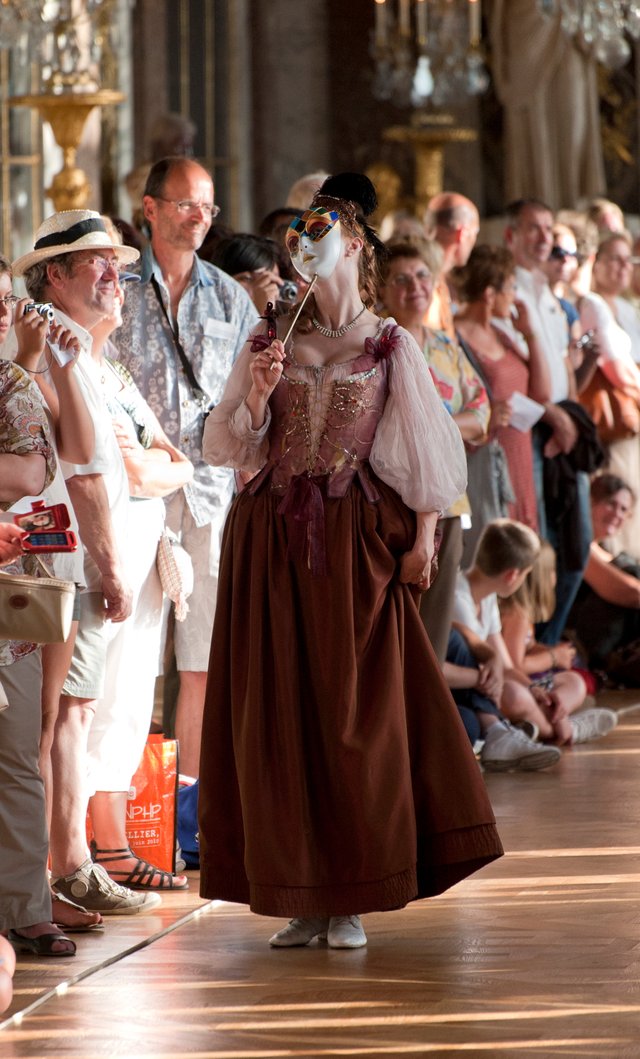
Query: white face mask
x=315, y=243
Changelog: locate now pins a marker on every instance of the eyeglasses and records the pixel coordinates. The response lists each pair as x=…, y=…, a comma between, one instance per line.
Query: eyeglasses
x=405, y=279
x=9, y=301
x=616, y=259
x=188, y=206
x=101, y=263
x=558, y=253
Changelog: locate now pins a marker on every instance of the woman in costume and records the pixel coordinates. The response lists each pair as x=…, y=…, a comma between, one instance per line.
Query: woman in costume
x=336, y=777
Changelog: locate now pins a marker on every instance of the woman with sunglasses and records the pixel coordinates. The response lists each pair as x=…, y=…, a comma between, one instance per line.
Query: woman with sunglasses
x=336, y=777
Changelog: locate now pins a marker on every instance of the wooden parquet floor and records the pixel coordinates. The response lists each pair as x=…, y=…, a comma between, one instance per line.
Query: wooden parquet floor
x=536, y=956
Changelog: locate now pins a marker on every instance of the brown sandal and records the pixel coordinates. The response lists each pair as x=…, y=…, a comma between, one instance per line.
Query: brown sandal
x=143, y=876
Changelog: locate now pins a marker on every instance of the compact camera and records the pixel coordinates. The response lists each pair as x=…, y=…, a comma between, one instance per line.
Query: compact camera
x=48, y=528
x=288, y=292
x=44, y=309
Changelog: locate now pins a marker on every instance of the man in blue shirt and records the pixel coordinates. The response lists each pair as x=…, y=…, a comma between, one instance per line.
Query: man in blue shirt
x=184, y=325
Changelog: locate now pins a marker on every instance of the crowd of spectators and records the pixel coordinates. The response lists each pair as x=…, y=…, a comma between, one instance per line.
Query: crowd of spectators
x=514, y=337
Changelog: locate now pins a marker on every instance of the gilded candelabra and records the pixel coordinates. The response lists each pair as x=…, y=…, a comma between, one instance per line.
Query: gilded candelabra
x=71, y=42
x=67, y=113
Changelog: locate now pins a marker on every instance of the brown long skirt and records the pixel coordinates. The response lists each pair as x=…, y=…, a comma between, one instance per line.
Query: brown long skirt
x=336, y=776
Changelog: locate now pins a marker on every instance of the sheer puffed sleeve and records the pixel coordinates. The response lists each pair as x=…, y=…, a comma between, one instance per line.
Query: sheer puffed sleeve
x=417, y=449
x=229, y=440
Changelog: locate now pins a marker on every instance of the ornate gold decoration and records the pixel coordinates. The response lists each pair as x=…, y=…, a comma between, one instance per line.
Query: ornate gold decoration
x=67, y=113
x=429, y=135
x=388, y=185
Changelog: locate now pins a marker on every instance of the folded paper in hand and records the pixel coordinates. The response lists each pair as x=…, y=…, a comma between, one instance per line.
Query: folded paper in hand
x=524, y=412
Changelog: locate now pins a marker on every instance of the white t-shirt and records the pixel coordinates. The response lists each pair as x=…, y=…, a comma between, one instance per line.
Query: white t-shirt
x=107, y=458
x=465, y=611
x=550, y=325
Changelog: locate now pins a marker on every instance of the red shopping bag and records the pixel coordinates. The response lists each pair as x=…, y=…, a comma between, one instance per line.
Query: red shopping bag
x=152, y=804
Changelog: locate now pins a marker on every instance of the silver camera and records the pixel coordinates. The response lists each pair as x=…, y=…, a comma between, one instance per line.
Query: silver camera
x=288, y=292
x=44, y=309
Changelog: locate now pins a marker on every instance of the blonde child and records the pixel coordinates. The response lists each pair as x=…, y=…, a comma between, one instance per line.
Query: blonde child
x=478, y=669
x=505, y=554
x=561, y=691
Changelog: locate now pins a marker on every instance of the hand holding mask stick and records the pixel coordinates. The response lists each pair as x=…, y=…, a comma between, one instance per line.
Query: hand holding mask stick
x=298, y=311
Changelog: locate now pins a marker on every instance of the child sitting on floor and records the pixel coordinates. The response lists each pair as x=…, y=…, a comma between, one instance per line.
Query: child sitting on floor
x=548, y=668
x=481, y=672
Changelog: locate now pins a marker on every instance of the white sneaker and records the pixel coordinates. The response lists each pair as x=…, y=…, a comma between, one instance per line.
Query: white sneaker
x=507, y=748
x=592, y=724
x=299, y=932
x=345, y=932
x=529, y=728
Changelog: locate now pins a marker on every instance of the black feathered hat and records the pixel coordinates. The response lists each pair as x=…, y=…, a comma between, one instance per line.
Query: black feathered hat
x=351, y=187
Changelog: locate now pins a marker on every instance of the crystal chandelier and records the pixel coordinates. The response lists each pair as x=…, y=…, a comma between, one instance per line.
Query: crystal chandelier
x=62, y=36
x=427, y=51
x=600, y=26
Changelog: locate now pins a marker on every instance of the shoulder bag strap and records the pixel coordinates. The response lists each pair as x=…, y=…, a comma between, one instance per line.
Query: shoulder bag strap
x=184, y=360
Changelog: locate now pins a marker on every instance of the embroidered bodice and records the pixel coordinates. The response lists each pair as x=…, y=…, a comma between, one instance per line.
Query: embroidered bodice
x=379, y=409
x=324, y=420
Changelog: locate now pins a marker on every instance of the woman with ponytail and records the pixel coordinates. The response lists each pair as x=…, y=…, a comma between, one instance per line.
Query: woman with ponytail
x=336, y=777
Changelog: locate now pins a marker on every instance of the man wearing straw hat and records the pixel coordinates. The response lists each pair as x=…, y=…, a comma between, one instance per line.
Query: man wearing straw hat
x=183, y=326
x=75, y=266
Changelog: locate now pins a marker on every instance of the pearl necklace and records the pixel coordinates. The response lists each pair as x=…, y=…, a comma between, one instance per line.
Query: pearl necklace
x=328, y=332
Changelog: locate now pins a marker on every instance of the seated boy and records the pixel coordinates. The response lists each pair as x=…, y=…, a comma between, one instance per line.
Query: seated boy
x=479, y=670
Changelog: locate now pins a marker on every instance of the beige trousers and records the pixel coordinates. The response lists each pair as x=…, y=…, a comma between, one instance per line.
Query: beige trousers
x=24, y=890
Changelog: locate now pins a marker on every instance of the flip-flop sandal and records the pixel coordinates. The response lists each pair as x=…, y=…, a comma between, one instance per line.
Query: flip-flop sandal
x=42, y=945
x=143, y=876
x=79, y=928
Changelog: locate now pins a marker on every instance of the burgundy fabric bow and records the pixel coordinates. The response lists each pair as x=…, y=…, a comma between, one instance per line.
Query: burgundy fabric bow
x=383, y=347
x=260, y=342
x=303, y=508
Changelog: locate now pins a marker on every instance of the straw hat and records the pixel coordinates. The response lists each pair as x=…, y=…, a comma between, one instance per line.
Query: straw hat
x=69, y=231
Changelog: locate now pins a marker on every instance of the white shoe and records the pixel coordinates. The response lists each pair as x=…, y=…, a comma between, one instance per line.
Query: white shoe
x=529, y=728
x=299, y=932
x=507, y=748
x=345, y=932
x=592, y=724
